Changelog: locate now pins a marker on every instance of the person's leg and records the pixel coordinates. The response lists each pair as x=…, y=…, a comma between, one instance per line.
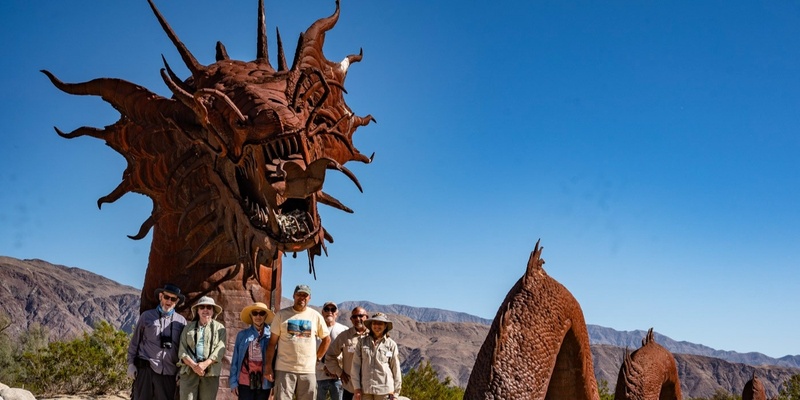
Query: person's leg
x=207, y=388
x=143, y=384
x=347, y=395
x=164, y=387
x=337, y=391
x=285, y=385
x=306, y=386
x=245, y=393
x=189, y=384
x=323, y=388
x=262, y=394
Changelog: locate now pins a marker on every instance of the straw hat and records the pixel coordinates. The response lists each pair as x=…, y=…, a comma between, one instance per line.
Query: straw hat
x=204, y=301
x=381, y=317
x=248, y=319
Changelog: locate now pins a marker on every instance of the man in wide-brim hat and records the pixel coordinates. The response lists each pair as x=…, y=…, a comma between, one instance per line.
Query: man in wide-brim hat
x=153, y=350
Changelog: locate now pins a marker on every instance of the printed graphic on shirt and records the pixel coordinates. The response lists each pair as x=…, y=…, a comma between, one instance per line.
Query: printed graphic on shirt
x=298, y=328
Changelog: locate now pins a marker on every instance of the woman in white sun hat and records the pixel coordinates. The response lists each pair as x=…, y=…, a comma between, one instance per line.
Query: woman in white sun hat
x=201, y=350
x=376, y=373
x=247, y=380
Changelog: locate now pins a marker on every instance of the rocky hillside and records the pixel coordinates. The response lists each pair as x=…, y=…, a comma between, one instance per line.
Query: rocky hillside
x=68, y=301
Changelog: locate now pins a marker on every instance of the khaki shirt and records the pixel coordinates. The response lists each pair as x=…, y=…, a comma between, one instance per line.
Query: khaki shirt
x=344, y=345
x=376, y=366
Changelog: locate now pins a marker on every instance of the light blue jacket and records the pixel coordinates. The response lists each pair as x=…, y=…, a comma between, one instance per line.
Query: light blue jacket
x=243, y=339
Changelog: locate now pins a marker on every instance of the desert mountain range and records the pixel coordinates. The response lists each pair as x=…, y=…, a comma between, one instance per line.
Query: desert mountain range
x=69, y=301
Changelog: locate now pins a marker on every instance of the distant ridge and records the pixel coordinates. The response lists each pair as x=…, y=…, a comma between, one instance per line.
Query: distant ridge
x=69, y=301
x=421, y=314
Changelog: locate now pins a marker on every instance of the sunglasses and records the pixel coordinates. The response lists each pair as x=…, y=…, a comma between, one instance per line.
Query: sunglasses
x=358, y=316
x=170, y=298
x=329, y=309
x=258, y=313
x=206, y=307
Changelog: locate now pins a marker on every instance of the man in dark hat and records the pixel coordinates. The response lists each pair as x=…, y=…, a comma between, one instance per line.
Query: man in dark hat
x=153, y=351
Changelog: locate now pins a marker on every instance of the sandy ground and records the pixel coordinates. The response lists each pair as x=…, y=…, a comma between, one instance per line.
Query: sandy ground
x=120, y=396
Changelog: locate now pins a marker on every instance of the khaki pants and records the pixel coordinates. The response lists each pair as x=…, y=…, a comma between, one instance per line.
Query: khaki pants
x=301, y=386
x=196, y=387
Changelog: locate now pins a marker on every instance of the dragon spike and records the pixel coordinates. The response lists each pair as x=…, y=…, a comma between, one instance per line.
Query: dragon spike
x=175, y=77
x=133, y=101
x=222, y=52
x=262, y=54
x=281, y=56
x=194, y=66
x=314, y=37
x=331, y=201
x=146, y=226
x=335, y=165
x=84, y=130
x=352, y=58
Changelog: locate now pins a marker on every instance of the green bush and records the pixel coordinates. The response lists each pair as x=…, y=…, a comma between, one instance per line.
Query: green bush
x=424, y=383
x=94, y=363
x=790, y=390
x=605, y=392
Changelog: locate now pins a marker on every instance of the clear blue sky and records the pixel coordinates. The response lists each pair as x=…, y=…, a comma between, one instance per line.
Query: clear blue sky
x=652, y=146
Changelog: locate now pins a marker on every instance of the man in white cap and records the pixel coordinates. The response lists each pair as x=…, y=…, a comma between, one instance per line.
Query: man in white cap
x=328, y=383
x=153, y=350
x=294, y=332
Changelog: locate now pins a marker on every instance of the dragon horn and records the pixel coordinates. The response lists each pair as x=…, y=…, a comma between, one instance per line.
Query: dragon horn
x=195, y=67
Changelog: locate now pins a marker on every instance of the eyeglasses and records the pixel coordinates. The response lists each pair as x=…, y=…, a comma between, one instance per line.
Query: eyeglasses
x=329, y=309
x=206, y=307
x=258, y=313
x=170, y=298
x=358, y=316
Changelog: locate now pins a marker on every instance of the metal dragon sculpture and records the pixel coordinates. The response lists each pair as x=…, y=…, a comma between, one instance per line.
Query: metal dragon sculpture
x=234, y=162
x=538, y=345
x=649, y=373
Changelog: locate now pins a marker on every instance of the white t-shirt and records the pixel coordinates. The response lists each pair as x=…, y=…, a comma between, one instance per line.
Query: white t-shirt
x=297, y=341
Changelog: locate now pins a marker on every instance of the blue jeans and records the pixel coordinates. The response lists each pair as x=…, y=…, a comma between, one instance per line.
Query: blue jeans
x=332, y=386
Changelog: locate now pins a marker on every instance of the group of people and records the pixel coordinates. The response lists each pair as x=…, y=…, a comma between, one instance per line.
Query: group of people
x=296, y=353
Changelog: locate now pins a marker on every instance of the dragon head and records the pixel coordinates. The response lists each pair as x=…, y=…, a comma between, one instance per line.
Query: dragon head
x=239, y=143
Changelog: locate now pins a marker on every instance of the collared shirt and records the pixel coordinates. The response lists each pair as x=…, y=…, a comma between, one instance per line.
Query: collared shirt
x=214, y=338
x=344, y=345
x=376, y=366
x=243, y=339
x=146, y=340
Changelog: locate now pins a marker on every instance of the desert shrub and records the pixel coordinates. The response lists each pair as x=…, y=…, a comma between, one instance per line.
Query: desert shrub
x=790, y=390
x=94, y=363
x=8, y=364
x=424, y=383
x=719, y=394
x=605, y=392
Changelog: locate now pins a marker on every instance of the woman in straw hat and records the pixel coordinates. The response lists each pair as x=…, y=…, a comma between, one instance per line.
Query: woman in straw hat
x=247, y=380
x=376, y=371
x=201, y=350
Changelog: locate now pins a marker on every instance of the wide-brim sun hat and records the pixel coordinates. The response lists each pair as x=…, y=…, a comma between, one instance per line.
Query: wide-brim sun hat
x=170, y=288
x=248, y=319
x=380, y=317
x=207, y=301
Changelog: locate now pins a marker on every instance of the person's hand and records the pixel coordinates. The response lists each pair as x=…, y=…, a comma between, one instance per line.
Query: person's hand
x=198, y=369
x=235, y=391
x=345, y=377
x=268, y=373
x=131, y=371
x=357, y=395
